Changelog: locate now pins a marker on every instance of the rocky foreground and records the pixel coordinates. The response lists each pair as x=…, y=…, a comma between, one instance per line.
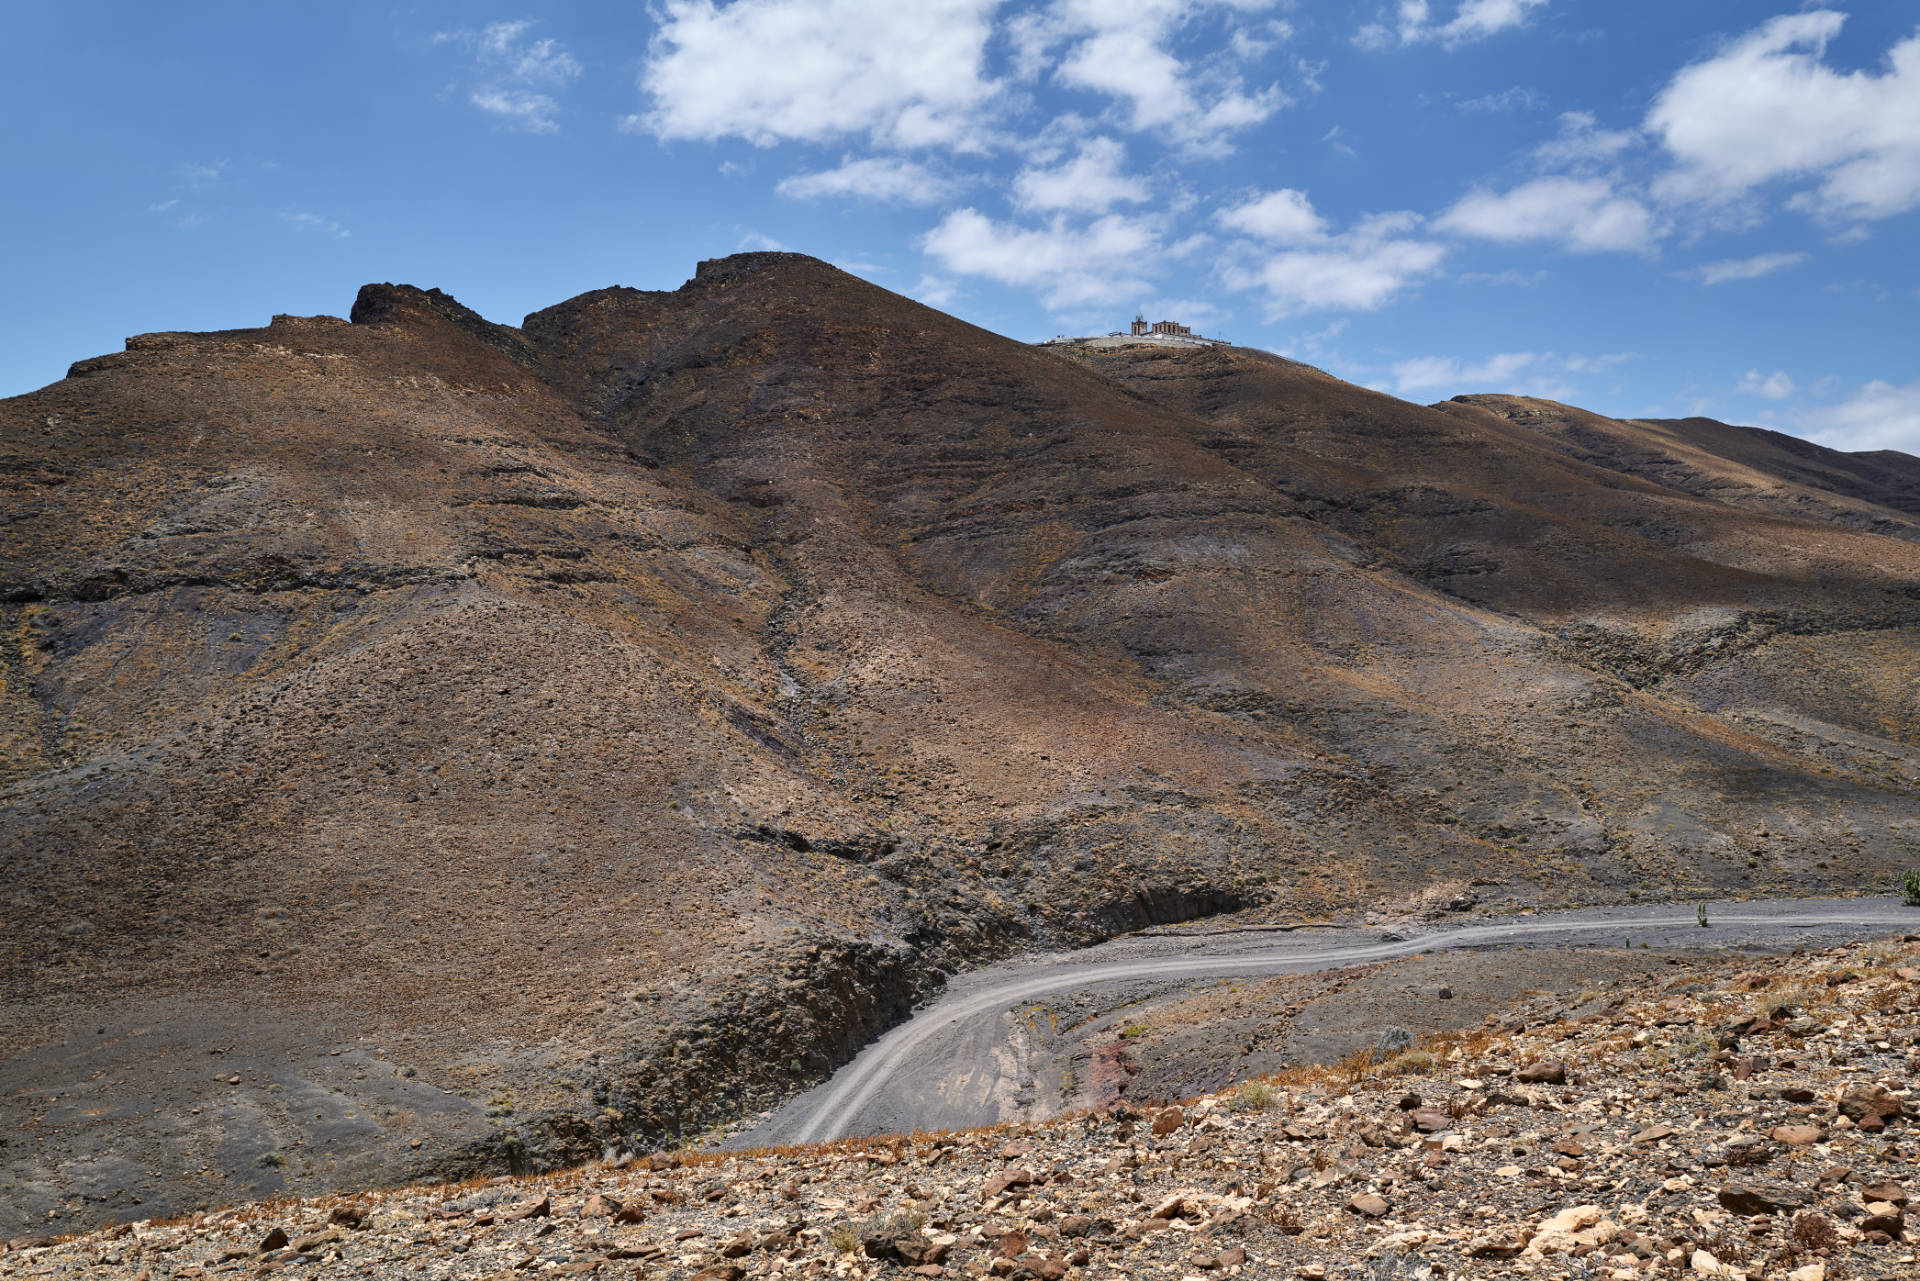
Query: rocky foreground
x=1738, y=1122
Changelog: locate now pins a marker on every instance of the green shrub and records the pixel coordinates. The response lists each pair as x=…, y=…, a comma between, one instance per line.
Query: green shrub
x=1910, y=887
x=1253, y=1096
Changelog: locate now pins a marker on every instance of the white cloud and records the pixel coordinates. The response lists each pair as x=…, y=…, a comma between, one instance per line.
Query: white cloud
x=886, y=179
x=1357, y=270
x=1474, y=20
x=1282, y=217
x=1107, y=261
x=1517, y=373
x=1774, y=386
x=1518, y=98
x=513, y=71
x=1767, y=108
x=316, y=223
x=1584, y=214
x=1124, y=51
x=1092, y=181
x=1423, y=373
x=533, y=112
x=907, y=75
x=1880, y=416
x=1583, y=142
x=1719, y=273
x=755, y=242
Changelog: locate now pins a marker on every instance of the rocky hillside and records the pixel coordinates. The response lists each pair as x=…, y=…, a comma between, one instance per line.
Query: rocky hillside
x=431, y=747
x=1738, y=1120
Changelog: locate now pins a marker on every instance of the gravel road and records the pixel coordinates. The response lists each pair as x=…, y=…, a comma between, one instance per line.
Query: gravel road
x=953, y=1065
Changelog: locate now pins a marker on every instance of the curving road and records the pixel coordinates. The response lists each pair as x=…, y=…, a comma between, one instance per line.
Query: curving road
x=952, y=1065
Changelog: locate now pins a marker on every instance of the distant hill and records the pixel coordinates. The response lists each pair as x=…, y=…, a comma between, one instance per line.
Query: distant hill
x=595, y=729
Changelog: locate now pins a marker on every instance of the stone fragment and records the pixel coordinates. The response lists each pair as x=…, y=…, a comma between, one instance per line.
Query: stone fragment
x=1884, y=1216
x=1885, y=1191
x=1811, y=1272
x=1704, y=1263
x=1428, y=1121
x=529, y=1210
x=1370, y=1205
x=347, y=1216
x=1076, y=1225
x=720, y=1272
x=1795, y=1136
x=1005, y=1181
x=1762, y=1198
x=1573, y=1219
x=1869, y=1106
x=629, y=1214
x=1654, y=1134
x=274, y=1240
x=1010, y=1245
x=1500, y=1243
x=741, y=1246
x=1174, y=1207
x=915, y=1251
x=1166, y=1121
x=1545, y=1072
x=599, y=1206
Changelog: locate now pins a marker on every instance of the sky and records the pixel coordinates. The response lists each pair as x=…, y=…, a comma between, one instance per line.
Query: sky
x=1646, y=209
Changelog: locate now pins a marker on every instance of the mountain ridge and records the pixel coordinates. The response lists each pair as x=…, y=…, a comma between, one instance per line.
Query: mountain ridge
x=626, y=715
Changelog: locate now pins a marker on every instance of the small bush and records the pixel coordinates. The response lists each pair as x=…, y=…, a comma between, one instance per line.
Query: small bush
x=1410, y=1063
x=1910, y=887
x=845, y=1238
x=1132, y=1030
x=1252, y=1096
x=269, y=1160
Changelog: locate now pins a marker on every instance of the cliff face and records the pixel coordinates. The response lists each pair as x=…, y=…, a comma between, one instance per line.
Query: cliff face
x=613, y=721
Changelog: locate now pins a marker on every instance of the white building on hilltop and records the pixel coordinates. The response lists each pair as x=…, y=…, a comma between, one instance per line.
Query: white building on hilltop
x=1161, y=333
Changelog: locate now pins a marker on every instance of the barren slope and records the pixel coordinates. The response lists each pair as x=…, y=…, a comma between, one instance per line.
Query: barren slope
x=614, y=722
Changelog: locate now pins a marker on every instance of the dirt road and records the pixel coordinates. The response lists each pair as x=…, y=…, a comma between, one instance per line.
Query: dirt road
x=953, y=1063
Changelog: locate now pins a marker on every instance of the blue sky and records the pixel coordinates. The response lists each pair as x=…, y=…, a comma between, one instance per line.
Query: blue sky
x=1646, y=209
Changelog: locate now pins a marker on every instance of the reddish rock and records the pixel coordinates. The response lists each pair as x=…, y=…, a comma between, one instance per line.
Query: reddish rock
x=1167, y=1120
x=1370, y=1205
x=1795, y=1136
x=1428, y=1121
x=1234, y=1258
x=529, y=1210
x=347, y=1216
x=599, y=1206
x=1005, y=1181
x=1545, y=1072
x=1887, y=1191
x=275, y=1240
x=1011, y=1245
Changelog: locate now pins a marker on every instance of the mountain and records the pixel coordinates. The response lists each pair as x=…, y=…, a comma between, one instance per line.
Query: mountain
x=430, y=746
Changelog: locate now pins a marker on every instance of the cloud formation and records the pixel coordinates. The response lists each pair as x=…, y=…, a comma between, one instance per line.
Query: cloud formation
x=1774, y=386
x=1107, y=261
x=1473, y=20
x=1093, y=180
x=1301, y=266
x=1879, y=416
x=1585, y=215
x=1719, y=273
x=1767, y=108
x=517, y=76
x=903, y=75
x=887, y=179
